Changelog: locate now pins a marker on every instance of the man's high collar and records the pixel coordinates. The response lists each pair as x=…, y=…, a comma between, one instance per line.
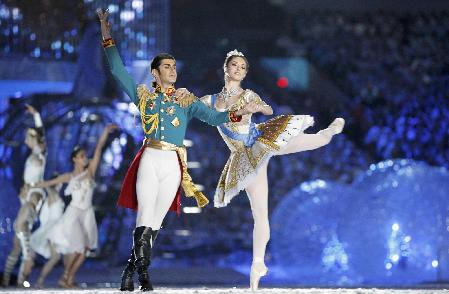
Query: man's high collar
x=169, y=91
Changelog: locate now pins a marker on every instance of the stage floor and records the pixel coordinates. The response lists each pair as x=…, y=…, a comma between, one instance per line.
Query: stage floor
x=98, y=278
x=235, y=290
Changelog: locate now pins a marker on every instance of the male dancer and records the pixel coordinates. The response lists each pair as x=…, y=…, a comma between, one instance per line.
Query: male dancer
x=152, y=183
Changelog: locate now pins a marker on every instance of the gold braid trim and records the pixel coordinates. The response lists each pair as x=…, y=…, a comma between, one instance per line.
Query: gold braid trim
x=272, y=129
x=233, y=167
x=269, y=143
x=190, y=189
x=147, y=119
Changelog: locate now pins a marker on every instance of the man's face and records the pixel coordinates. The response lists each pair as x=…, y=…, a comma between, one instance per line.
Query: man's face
x=166, y=74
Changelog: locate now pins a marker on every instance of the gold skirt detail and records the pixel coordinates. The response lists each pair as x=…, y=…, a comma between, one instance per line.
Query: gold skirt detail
x=244, y=162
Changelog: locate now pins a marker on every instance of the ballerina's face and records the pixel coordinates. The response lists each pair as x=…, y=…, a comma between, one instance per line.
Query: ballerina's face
x=30, y=140
x=237, y=68
x=80, y=159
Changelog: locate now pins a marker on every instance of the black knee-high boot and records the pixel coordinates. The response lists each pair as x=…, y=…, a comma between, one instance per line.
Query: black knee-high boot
x=154, y=234
x=142, y=251
x=128, y=274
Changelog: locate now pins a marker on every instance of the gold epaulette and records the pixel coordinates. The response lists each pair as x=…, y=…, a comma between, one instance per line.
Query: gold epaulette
x=187, y=100
x=144, y=92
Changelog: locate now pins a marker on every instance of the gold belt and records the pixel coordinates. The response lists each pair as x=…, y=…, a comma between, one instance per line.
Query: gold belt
x=190, y=189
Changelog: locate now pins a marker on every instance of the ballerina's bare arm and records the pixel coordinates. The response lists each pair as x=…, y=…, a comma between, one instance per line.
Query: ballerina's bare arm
x=262, y=106
x=93, y=164
x=64, y=178
x=266, y=109
x=250, y=107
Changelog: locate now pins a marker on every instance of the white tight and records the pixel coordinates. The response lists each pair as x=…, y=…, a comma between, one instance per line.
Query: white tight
x=306, y=142
x=22, y=226
x=158, y=179
x=257, y=191
x=11, y=261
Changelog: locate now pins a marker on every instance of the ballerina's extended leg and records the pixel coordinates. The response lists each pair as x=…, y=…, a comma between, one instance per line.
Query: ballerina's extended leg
x=305, y=142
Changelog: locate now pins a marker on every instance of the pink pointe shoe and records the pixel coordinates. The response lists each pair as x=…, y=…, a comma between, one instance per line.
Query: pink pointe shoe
x=258, y=270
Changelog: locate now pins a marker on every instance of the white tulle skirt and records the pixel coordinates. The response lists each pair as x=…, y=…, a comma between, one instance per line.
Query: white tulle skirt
x=76, y=231
x=49, y=217
x=245, y=162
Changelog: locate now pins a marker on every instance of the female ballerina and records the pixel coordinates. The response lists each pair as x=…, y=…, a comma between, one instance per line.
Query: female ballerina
x=30, y=199
x=252, y=146
x=76, y=232
x=50, y=213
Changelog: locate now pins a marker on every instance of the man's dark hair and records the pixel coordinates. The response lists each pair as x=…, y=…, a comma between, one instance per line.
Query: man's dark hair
x=157, y=60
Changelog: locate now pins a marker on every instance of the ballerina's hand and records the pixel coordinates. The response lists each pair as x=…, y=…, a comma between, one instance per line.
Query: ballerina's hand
x=181, y=93
x=251, y=107
x=184, y=97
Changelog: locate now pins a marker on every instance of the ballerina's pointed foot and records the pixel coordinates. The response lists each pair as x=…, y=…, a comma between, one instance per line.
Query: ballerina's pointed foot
x=63, y=283
x=71, y=283
x=40, y=284
x=337, y=125
x=258, y=270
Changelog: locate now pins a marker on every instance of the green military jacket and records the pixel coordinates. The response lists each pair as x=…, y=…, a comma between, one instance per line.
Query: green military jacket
x=162, y=117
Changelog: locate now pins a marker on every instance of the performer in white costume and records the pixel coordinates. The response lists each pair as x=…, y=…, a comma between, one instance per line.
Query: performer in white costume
x=50, y=214
x=76, y=232
x=252, y=145
x=31, y=199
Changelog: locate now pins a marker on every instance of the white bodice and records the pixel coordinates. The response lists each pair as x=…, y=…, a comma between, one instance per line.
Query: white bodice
x=81, y=187
x=34, y=167
x=241, y=127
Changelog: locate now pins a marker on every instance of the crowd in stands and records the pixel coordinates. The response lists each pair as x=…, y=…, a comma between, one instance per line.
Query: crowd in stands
x=395, y=69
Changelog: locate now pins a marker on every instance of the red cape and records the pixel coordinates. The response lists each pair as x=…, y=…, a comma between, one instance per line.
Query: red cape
x=128, y=194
